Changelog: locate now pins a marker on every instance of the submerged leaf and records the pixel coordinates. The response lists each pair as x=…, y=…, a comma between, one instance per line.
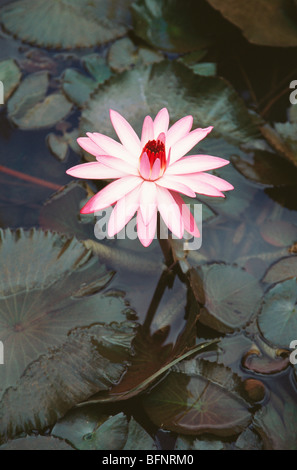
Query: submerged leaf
x=285, y=268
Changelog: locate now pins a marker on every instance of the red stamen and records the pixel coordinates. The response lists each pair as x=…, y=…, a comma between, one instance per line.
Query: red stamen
x=154, y=150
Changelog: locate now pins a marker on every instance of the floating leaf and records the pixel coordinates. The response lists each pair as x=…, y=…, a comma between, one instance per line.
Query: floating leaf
x=36, y=443
x=88, y=428
x=286, y=268
x=278, y=316
x=230, y=296
x=77, y=86
x=263, y=22
x=276, y=424
x=30, y=108
x=123, y=54
x=141, y=91
x=90, y=360
x=198, y=398
x=10, y=76
x=263, y=359
x=64, y=23
x=185, y=443
x=47, y=283
x=172, y=26
x=249, y=440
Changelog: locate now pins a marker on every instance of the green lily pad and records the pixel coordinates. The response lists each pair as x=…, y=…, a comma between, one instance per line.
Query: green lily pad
x=45, y=280
x=64, y=23
x=249, y=440
x=229, y=295
x=185, y=443
x=285, y=268
x=262, y=21
x=36, y=443
x=30, y=108
x=174, y=26
x=198, y=398
x=278, y=316
x=141, y=91
x=123, y=54
x=276, y=424
x=57, y=146
x=91, y=360
x=79, y=87
x=88, y=428
x=10, y=76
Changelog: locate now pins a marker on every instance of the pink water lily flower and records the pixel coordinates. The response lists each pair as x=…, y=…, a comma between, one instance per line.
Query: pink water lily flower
x=150, y=174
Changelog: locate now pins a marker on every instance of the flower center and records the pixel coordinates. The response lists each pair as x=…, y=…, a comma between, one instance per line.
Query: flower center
x=152, y=160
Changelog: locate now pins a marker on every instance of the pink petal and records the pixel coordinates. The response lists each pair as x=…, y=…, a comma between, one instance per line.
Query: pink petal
x=175, y=183
x=161, y=122
x=89, y=146
x=111, y=193
x=170, y=212
x=213, y=180
x=200, y=187
x=123, y=211
x=94, y=171
x=185, y=144
x=145, y=166
x=155, y=173
x=195, y=163
x=111, y=147
x=148, y=201
x=146, y=233
x=187, y=216
x=180, y=129
x=126, y=133
x=147, y=131
x=119, y=164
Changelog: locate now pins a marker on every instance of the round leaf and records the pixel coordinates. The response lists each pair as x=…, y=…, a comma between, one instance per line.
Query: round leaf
x=66, y=23
x=278, y=316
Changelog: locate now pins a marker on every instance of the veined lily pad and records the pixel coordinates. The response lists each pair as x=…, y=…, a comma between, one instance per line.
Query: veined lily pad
x=264, y=22
x=10, y=76
x=43, y=281
x=66, y=23
x=30, y=108
x=278, y=316
x=198, y=398
x=145, y=90
x=230, y=296
x=89, y=429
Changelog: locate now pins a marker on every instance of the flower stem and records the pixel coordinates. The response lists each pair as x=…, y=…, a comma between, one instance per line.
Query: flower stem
x=165, y=245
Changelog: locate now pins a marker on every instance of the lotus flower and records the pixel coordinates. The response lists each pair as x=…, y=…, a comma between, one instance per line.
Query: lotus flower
x=150, y=174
